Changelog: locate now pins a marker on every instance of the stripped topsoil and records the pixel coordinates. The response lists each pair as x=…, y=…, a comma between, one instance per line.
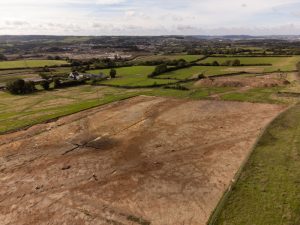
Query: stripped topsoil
x=146, y=160
x=273, y=80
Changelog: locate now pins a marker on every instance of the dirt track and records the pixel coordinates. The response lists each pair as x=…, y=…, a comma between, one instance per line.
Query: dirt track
x=146, y=160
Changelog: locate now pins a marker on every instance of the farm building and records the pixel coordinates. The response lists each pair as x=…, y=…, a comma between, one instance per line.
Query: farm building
x=80, y=76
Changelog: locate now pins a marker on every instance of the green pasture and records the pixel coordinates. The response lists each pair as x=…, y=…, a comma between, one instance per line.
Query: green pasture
x=188, y=58
x=132, y=76
x=19, y=111
x=193, y=72
x=30, y=63
x=282, y=63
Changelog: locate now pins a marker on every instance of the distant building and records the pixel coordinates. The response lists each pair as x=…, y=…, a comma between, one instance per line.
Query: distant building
x=80, y=76
x=73, y=75
x=96, y=76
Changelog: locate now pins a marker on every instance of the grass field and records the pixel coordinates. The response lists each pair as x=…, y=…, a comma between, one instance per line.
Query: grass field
x=194, y=71
x=6, y=78
x=188, y=58
x=30, y=63
x=20, y=111
x=132, y=76
x=263, y=95
x=268, y=190
x=282, y=63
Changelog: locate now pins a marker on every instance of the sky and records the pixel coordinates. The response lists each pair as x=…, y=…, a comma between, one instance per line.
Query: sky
x=150, y=17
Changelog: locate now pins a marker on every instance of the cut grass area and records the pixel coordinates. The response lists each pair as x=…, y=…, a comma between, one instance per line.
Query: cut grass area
x=188, y=58
x=262, y=95
x=282, y=63
x=132, y=76
x=268, y=190
x=30, y=63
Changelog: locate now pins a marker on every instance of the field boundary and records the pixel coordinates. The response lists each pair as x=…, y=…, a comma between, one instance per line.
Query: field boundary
x=216, y=213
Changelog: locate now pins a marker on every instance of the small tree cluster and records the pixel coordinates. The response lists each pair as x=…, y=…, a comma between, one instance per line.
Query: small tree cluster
x=159, y=70
x=19, y=87
x=113, y=73
x=2, y=57
x=46, y=84
x=234, y=62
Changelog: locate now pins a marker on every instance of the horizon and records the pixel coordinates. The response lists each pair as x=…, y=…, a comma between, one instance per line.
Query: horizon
x=150, y=18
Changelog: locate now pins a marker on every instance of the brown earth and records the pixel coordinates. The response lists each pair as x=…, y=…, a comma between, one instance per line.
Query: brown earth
x=234, y=81
x=146, y=160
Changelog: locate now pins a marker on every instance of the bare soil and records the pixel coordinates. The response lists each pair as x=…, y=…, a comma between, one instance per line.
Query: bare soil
x=146, y=160
x=257, y=81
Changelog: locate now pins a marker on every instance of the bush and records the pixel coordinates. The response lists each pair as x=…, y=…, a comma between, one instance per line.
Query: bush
x=19, y=87
x=176, y=87
x=57, y=83
x=215, y=63
x=2, y=57
x=159, y=70
x=113, y=73
x=201, y=76
x=46, y=84
x=236, y=62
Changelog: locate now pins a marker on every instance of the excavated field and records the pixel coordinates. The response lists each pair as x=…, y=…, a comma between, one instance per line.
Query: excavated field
x=146, y=160
x=273, y=80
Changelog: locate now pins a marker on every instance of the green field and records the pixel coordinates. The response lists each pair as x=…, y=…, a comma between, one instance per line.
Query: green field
x=19, y=111
x=30, y=63
x=132, y=76
x=194, y=71
x=268, y=190
x=282, y=63
x=263, y=95
x=188, y=58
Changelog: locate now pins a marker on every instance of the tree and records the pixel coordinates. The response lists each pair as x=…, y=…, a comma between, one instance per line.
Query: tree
x=113, y=73
x=215, y=63
x=46, y=84
x=2, y=57
x=57, y=83
x=46, y=69
x=19, y=86
x=159, y=70
x=236, y=62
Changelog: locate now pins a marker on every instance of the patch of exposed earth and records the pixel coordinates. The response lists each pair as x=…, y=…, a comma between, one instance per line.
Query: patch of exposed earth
x=146, y=160
x=273, y=80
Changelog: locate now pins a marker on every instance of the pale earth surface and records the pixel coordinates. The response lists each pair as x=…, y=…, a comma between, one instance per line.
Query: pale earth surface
x=144, y=160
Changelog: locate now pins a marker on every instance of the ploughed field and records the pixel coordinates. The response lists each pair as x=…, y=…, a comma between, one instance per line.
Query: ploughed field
x=145, y=160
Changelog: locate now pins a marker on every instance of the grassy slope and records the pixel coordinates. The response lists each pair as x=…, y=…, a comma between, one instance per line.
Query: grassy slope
x=268, y=191
x=30, y=63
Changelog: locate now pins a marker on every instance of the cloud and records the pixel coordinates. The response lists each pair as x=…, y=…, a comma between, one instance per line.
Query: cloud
x=140, y=17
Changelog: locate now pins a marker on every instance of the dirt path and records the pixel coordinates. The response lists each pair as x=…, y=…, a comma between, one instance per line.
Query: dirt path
x=146, y=160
